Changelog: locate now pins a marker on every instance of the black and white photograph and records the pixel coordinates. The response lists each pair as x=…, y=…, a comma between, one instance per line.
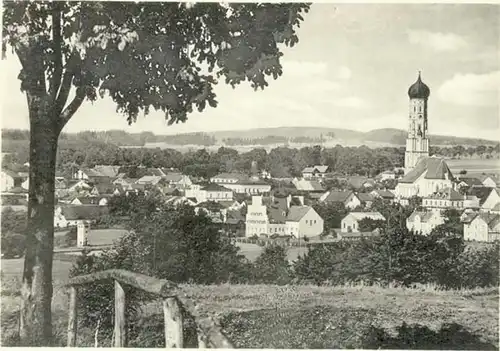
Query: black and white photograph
x=244, y=175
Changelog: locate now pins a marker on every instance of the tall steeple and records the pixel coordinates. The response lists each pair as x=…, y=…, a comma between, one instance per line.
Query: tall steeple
x=417, y=143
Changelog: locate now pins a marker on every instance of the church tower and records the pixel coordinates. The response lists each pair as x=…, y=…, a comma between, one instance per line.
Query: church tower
x=417, y=143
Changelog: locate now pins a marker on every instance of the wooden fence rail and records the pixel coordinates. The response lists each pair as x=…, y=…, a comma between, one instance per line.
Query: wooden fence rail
x=209, y=332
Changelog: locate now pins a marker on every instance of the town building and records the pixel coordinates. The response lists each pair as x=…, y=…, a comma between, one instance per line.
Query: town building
x=210, y=192
x=449, y=198
x=10, y=180
x=424, y=175
x=307, y=185
x=424, y=222
x=282, y=218
x=242, y=184
x=70, y=215
x=347, y=198
x=315, y=171
x=491, y=200
x=350, y=223
x=383, y=194
x=417, y=143
x=430, y=175
x=483, y=227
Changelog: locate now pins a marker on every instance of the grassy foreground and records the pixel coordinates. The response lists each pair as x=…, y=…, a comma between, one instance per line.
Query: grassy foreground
x=268, y=316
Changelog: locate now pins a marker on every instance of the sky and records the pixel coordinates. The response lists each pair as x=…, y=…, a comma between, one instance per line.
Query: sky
x=351, y=69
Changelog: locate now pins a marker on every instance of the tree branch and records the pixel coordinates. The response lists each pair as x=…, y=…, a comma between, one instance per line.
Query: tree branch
x=57, y=41
x=65, y=87
x=74, y=105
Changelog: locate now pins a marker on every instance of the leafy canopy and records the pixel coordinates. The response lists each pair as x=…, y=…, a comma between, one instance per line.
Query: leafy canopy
x=161, y=55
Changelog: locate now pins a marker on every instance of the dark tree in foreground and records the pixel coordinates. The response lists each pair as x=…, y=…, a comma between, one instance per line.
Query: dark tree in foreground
x=162, y=56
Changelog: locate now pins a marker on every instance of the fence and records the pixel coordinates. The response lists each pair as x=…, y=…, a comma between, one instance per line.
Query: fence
x=209, y=332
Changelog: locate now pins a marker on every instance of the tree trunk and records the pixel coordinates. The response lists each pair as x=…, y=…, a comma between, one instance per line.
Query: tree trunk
x=36, y=291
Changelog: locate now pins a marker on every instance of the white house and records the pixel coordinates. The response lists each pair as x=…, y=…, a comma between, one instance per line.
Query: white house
x=177, y=180
x=348, y=198
x=304, y=221
x=314, y=171
x=449, y=198
x=489, y=181
x=210, y=192
x=297, y=221
x=430, y=175
x=70, y=215
x=482, y=227
x=307, y=184
x=90, y=200
x=228, y=178
x=424, y=221
x=386, y=175
x=350, y=223
x=149, y=180
x=257, y=220
x=10, y=180
x=491, y=201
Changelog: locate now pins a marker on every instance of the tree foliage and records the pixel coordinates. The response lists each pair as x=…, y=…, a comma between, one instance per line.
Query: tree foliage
x=165, y=56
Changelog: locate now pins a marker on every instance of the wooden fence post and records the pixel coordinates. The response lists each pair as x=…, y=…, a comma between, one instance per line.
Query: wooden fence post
x=174, y=337
x=202, y=340
x=120, y=322
x=72, y=318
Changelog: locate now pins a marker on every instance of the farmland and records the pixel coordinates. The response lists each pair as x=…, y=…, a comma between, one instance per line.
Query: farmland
x=474, y=166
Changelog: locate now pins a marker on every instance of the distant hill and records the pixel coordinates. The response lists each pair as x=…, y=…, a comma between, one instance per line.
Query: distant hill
x=270, y=137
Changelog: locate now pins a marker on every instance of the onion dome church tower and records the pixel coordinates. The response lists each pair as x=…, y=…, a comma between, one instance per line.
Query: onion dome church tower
x=417, y=143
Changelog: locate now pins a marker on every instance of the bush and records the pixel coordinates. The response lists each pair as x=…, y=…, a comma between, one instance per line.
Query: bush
x=177, y=245
x=272, y=267
x=399, y=256
x=13, y=245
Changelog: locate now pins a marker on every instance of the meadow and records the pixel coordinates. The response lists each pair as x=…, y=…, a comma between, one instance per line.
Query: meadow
x=298, y=316
x=474, y=166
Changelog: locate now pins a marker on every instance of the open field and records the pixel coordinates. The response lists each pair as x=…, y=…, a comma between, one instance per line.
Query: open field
x=269, y=316
x=252, y=251
x=474, y=166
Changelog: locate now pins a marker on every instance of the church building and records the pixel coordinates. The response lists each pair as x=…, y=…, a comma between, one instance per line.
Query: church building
x=424, y=175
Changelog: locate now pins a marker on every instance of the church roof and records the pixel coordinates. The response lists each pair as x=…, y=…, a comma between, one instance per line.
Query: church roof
x=434, y=168
x=419, y=90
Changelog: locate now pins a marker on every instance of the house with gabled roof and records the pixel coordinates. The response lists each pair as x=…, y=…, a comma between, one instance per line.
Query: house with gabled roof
x=489, y=180
x=468, y=182
x=491, y=200
x=10, y=179
x=70, y=215
x=350, y=223
x=430, y=175
x=315, y=171
x=307, y=185
x=177, y=180
x=383, y=194
x=424, y=222
x=482, y=226
x=346, y=197
x=149, y=180
x=360, y=183
x=449, y=198
x=264, y=218
x=90, y=200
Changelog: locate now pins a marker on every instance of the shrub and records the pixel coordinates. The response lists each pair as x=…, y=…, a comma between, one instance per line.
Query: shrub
x=13, y=245
x=272, y=266
x=177, y=245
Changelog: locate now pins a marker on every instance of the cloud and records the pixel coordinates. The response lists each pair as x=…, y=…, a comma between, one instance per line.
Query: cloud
x=350, y=101
x=471, y=89
x=437, y=41
x=303, y=68
x=344, y=73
